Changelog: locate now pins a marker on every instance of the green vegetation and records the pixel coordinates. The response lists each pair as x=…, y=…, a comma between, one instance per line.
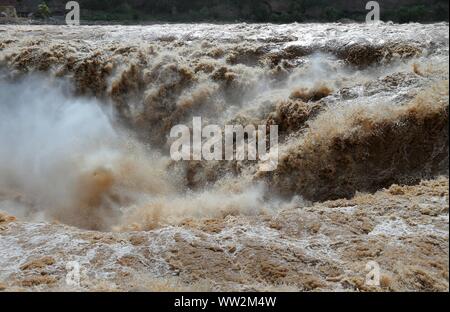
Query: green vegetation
x=275, y=11
x=43, y=11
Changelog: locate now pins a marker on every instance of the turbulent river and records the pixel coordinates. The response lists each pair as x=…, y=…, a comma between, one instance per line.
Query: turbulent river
x=86, y=174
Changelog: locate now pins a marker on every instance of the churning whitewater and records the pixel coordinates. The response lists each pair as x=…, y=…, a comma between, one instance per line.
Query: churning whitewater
x=86, y=171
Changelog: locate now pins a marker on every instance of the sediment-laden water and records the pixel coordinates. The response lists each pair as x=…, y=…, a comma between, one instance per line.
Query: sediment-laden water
x=85, y=118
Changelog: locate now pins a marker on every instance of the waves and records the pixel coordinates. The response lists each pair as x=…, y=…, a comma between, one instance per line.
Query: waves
x=87, y=115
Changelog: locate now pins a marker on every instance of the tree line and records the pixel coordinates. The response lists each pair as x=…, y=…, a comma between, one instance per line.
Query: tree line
x=275, y=11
